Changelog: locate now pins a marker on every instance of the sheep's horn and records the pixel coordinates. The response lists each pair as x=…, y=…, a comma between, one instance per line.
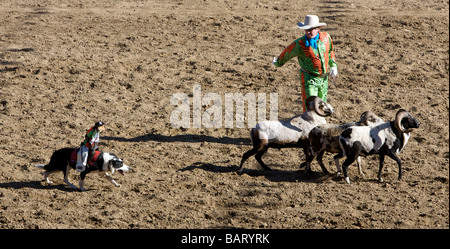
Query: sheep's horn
x=317, y=102
x=402, y=113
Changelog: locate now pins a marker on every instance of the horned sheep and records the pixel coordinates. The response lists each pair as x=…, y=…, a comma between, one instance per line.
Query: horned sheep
x=325, y=138
x=287, y=133
x=388, y=138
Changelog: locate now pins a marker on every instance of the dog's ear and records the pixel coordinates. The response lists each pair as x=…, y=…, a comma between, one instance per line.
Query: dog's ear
x=117, y=163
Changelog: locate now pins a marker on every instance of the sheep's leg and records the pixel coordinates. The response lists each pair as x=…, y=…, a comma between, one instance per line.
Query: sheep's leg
x=309, y=159
x=307, y=150
x=319, y=159
x=358, y=162
x=352, y=154
x=380, y=179
x=347, y=162
x=399, y=162
x=259, y=159
x=245, y=157
x=303, y=164
x=336, y=161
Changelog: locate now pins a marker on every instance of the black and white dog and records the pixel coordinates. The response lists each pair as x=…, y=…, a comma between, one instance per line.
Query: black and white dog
x=101, y=162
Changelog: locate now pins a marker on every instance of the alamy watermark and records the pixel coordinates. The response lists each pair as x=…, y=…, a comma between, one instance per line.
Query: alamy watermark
x=212, y=110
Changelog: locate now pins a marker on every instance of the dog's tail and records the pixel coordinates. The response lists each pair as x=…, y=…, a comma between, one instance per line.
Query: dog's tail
x=40, y=166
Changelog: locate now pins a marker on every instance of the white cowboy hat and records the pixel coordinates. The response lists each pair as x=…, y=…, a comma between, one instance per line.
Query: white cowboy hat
x=311, y=21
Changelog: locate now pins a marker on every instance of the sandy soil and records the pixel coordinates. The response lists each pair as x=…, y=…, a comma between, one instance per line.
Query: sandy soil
x=67, y=64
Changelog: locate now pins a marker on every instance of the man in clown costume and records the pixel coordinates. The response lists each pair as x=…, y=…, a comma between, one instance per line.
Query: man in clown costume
x=315, y=55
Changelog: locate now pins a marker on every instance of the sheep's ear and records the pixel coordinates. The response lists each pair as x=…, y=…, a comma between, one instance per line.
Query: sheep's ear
x=368, y=117
x=363, y=118
x=309, y=101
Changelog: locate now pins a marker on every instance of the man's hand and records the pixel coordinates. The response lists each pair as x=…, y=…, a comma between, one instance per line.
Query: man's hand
x=333, y=72
x=275, y=59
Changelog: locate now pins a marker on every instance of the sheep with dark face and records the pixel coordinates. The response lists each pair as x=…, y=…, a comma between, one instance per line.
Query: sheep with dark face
x=387, y=138
x=325, y=138
x=288, y=133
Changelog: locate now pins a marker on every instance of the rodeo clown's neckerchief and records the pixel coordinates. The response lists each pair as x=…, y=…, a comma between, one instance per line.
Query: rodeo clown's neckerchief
x=311, y=42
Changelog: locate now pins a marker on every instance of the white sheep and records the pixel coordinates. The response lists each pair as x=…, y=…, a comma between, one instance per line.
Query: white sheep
x=325, y=138
x=287, y=133
x=388, y=138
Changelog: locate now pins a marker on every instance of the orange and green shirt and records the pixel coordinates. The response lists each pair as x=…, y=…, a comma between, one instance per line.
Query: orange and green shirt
x=92, y=136
x=316, y=61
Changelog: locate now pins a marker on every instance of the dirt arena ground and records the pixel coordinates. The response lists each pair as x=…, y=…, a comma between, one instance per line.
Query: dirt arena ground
x=67, y=64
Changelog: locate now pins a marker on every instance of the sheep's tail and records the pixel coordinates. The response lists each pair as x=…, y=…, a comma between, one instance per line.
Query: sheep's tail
x=253, y=132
